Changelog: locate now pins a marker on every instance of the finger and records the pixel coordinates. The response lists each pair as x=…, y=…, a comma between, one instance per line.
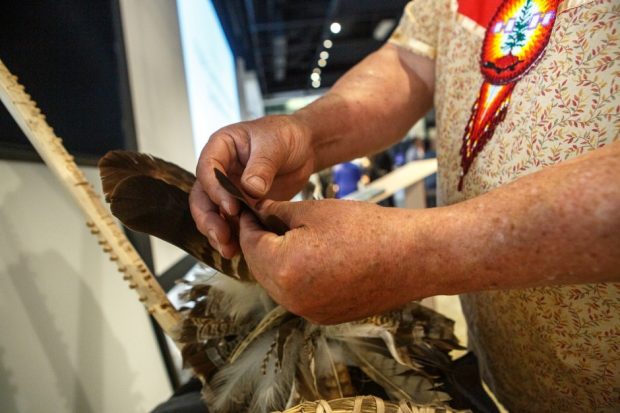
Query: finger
x=219, y=153
x=266, y=157
x=259, y=248
x=231, y=247
x=210, y=223
x=288, y=185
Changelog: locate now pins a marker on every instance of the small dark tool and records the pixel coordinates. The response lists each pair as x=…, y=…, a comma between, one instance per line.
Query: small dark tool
x=271, y=222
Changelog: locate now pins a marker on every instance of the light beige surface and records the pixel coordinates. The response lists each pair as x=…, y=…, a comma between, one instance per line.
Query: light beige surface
x=73, y=337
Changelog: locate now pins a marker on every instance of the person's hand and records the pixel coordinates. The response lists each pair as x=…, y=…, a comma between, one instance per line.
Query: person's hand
x=269, y=157
x=341, y=260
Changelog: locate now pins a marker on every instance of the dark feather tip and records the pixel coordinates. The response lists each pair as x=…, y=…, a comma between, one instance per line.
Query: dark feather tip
x=230, y=187
x=271, y=222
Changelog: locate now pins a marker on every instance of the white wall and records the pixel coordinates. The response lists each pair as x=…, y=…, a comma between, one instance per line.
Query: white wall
x=161, y=103
x=250, y=96
x=73, y=337
x=159, y=93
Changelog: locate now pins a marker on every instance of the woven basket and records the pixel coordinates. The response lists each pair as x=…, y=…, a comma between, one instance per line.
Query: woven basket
x=366, y=404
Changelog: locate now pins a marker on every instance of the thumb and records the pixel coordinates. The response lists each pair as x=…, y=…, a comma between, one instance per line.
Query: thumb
x=252, y=236
x=260, y=248
x=266, y=158
x=289, y=213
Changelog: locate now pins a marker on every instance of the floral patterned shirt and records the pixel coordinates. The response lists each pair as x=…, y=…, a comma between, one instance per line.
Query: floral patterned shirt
x=540, y=349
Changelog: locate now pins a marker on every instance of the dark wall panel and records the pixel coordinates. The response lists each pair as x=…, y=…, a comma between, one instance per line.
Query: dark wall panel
x=69, y=56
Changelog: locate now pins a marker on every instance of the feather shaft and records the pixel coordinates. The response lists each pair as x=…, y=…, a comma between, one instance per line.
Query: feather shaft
x=270, y=320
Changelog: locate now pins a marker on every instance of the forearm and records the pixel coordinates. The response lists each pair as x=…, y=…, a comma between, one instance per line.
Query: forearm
x=370, y=107
x=558, y=226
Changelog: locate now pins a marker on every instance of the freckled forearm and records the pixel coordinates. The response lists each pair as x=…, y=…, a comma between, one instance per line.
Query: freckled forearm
x=558, y=226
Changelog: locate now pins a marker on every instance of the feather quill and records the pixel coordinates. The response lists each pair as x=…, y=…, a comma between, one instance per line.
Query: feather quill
x=327, y=359
x=365, y=331
x=272, y=319
x=306, y=378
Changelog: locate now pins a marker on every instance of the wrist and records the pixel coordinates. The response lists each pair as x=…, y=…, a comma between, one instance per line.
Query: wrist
x=436, y=255
x=322, y=130
x=306, y=121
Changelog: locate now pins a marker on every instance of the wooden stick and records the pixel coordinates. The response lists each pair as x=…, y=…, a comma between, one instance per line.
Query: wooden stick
x=99, y=220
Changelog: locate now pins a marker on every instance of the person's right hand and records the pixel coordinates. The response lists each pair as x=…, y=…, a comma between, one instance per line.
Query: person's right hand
x=271, y=157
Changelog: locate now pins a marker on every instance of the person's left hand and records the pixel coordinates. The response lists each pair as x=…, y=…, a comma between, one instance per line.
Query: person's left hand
x=341, y=260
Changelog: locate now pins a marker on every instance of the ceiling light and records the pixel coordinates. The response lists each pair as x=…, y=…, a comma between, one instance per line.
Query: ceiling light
x=383, y=29
x=322, y=62
x=324, y=55
x=328, y=44
x=316, y=84
x=315, y=76
x=316, y=70
x=335, y=27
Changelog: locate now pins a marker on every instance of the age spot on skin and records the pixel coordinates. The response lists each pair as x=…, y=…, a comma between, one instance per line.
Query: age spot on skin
x=499, y=237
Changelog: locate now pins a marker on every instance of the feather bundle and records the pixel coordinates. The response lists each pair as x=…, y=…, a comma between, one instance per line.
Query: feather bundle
x=253, y=355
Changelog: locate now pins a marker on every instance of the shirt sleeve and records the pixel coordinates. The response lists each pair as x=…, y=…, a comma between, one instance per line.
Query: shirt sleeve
x=418, y=30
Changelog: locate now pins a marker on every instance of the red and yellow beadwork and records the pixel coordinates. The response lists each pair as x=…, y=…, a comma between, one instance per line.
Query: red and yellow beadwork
x=515, y=40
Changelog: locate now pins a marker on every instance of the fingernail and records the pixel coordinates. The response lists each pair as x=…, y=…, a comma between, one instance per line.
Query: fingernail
x=213, y=239
x=226, y=207
x=257, y=183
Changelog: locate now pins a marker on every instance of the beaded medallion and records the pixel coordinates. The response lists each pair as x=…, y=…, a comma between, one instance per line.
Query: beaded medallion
x=515, y=40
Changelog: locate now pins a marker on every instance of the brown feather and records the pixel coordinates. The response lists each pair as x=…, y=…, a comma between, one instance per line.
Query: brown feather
x=151, y=195
x=202, y=329
x=147, y=204
x=118, y=165
x=195, y=356
x=284, y=332
x=306, y=380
